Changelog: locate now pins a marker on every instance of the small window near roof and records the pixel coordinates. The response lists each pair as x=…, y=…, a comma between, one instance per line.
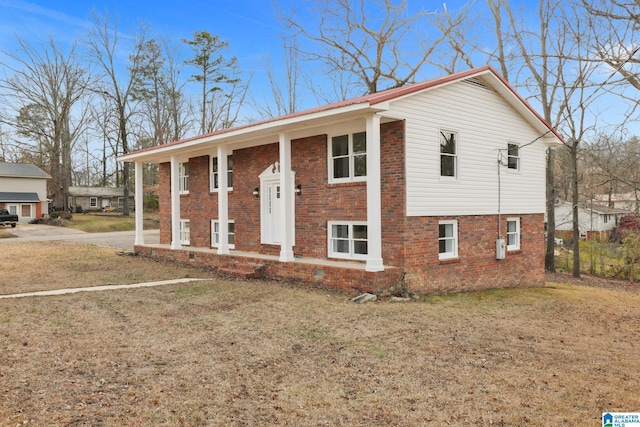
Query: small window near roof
x=513, y=156
x=448, y=154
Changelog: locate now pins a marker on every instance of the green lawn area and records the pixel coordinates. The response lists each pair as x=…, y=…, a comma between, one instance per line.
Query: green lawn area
x=105, y=222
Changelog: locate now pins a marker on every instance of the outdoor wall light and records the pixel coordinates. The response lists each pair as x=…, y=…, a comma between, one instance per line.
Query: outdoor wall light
x=298, y=190
x=256, y=191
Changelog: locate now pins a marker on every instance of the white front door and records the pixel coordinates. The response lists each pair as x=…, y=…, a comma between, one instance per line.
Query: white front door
x=272, y=211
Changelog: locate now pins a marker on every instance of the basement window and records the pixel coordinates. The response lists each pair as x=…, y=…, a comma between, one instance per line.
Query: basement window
x=215, y=234
x=513, y=234
x=348, y=240
x=185, y=232
x=448, y=239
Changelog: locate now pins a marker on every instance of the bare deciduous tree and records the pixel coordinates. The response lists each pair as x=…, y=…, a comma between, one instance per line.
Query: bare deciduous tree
x=43, y=89
x=103, y=42
x=378, y=42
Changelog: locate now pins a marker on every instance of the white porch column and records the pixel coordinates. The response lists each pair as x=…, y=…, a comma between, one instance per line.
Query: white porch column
x=175, y=203
x=139, y=204
x=223, y=202
x=287, y=219
x=374, y=209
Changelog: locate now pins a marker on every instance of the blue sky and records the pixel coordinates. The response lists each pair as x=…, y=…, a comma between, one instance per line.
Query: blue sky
x=249, y=26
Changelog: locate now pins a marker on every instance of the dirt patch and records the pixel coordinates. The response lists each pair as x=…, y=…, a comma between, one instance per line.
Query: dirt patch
x=244, y=353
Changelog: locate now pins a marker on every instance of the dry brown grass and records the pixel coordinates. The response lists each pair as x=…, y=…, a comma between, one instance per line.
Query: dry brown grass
x=41, y=266
x=240, y=353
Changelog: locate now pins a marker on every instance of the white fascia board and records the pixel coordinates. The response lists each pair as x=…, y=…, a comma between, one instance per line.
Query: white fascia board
x=251, y=132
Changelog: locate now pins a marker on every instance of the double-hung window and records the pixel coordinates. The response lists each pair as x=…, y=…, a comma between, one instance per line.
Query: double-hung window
x=185, y=232
x=215, y=170
x=513, y=156
x=448, y=239
x=183, y=177
x=215, y=234
x=448, y=154
x=513, y=234
x=93, y=202
x=348, y=239
x=348, y=157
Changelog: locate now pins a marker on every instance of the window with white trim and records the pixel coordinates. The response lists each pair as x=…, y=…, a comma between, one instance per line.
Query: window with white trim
x=185, y=232
x=215, y=234
x=183, y=177
x=513, y=156
x=448, y=239
x=347, y=239
x=214, y=173
x=513, y=234
x=448, y=154
x=93, y=202
x=348, y=157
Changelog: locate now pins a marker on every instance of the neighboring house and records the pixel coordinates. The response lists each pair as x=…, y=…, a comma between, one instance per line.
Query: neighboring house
x=593, y=219
x=398, y=190
x=23, y=190
x=97, y=198
x=629, y=202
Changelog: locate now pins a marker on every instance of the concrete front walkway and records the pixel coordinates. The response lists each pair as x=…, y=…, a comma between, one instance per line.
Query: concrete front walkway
x=115, y=239
x=99, y=288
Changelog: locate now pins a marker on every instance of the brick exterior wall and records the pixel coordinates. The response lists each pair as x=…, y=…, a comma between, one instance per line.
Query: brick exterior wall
x=476, y=267
x=410, y=244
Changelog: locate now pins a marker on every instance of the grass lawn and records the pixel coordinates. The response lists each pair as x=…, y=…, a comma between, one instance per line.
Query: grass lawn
x=253, y=353
x=104, y=222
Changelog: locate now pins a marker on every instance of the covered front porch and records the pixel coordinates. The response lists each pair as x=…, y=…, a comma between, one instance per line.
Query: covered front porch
x=348, y=276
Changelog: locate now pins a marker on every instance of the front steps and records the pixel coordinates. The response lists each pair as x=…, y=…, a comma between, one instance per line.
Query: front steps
x=242, y=270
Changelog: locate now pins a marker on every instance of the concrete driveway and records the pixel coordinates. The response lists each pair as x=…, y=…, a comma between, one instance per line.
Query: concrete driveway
x=116, y=239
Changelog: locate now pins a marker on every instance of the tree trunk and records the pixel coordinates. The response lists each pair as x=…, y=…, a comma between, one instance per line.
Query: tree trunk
x=574, y=200
x=549, y=258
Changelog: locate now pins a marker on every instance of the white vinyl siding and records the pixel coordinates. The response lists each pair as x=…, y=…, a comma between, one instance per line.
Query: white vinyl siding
x=482, y=121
